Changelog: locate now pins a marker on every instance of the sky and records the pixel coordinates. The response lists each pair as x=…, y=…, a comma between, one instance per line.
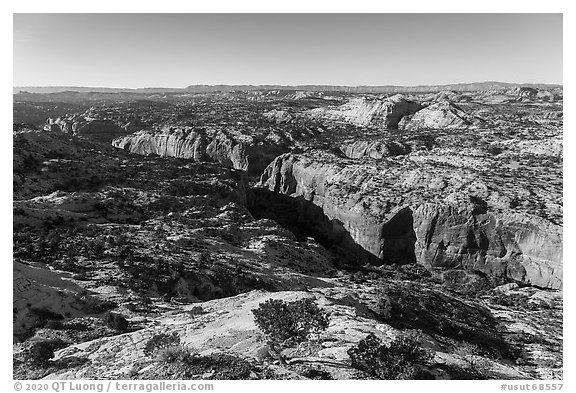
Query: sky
x=177, y=50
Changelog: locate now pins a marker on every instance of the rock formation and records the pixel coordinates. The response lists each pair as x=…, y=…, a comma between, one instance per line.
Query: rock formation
x=524, y=93
x=395, y=215
x=40, y=295
x=376, y=148
x=202, y=145
x=368, y=111
x=278, y=116
x=391, y=214
x=441, y=115
x=93, y=129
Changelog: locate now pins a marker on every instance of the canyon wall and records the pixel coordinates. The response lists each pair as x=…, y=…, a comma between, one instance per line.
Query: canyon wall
x=201, y=145
x=395, y=224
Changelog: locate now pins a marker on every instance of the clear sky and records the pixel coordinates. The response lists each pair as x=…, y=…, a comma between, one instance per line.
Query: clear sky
x=177, y=50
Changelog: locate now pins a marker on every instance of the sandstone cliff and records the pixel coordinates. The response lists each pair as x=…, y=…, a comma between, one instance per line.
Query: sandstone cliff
x=407, y=213
x=93, y=129
x=368, y=111
x=233, y=150
x=373, y=148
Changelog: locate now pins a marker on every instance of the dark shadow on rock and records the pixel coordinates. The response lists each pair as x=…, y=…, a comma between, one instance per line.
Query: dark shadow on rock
x=398, y=238
x=304, y=219
x=415, y=307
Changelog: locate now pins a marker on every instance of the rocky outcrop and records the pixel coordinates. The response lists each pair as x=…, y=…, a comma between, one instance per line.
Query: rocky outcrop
x=398, y=214
x=40, y=295
x=94, y=129
x=278, y=116
x=373, y=148
x=440, y=115
x=531, y=94
x=519, y=247
x=368, y=111
x=169, y=142
x=525, y=93
x=545, y=95
x=202, y=145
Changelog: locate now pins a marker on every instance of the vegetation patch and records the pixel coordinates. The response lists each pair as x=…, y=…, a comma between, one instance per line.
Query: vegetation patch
x=289, y=323
x=404, y=358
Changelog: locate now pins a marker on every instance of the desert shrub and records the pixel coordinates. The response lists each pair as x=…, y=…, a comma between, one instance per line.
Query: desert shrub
x=223, y=366
x=161, y=341
x=402, y=359
x=72, y=361
x=182, y=363
x=517, y=300
x=40, y=352
x=313, y=373
x=116, y=322
x=54, y=324
x=43, y=316
x=174, y=353
x=196, y=310
x=30, y=164
x=471, y=354
x=290, y=322
x=465, y=282
x=93, y=305
x=96, y=246
x=383, y=305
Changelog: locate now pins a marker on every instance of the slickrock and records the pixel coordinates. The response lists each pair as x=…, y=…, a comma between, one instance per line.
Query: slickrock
x=368, y=111
x=227, y=325
x=441, y=115
x=40, y=294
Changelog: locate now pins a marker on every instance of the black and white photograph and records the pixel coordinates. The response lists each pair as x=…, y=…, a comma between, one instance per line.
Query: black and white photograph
x=287, y=196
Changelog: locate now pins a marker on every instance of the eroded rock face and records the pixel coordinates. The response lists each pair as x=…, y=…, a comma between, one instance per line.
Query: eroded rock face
x=403, y=216
x=373, y=148
x=520, y=247
x=93, y=129
x=201, y=145
x=441, y=115
x=368, y=111
x=525, y=93
x=278, y=116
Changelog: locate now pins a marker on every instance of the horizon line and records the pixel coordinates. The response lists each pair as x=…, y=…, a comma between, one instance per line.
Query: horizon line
x=289, y=85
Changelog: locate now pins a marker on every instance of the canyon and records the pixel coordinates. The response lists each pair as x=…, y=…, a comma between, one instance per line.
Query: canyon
x=156, y=205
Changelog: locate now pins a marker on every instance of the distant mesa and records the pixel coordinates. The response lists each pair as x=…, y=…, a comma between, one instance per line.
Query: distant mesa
x=388, y=89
